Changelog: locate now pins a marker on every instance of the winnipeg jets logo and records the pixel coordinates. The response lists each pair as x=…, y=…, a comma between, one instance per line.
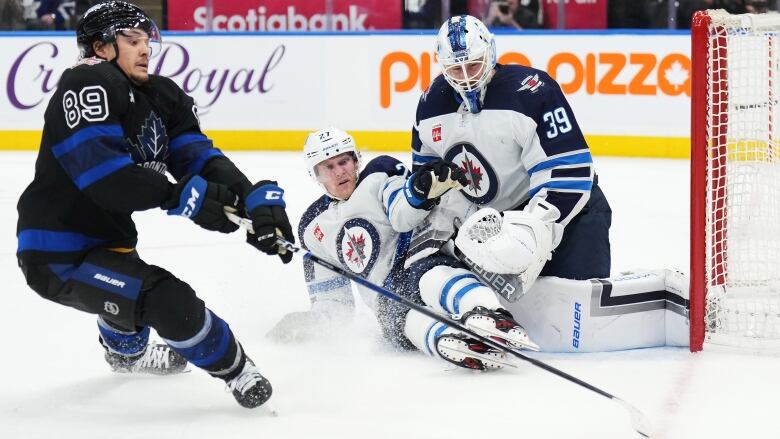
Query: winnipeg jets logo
x=473, y=173
x=483, y=183
x=151, y=144
x=358, y=246
x=531, y=83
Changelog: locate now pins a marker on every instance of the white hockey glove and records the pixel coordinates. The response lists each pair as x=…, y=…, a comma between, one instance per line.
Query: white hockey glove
x=519, y=243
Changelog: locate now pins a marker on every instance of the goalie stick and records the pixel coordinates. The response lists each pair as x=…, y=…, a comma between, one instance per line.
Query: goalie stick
x=638, y=420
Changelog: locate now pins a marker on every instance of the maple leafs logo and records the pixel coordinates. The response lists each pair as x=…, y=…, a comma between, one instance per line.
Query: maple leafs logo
x=677, y=75
x=153, y=139
x=356, y=252
x=473, y=173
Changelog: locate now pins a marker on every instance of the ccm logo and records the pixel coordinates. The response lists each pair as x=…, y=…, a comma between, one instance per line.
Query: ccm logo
x=191, y=203
x=274, y=195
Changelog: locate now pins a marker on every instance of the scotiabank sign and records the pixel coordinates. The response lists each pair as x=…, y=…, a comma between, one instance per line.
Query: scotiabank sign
x=290, y=15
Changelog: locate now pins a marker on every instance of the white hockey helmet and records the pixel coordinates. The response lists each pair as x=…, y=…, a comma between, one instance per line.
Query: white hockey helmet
x=466, y=53
x=328, y=143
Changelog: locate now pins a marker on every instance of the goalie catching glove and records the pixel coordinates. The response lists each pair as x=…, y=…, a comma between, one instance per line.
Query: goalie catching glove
x=425, y=187
x=519, y=243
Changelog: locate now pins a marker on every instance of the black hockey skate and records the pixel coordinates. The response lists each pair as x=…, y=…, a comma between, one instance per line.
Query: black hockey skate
x=498, y=325
x=156, y=359
x=464, y=351
x=250, y=388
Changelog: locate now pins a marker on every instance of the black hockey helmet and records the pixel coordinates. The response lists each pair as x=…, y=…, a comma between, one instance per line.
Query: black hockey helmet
x=104, y=21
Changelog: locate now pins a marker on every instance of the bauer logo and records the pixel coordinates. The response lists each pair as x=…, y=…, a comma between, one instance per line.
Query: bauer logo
x=577, y=326
x=109, y=280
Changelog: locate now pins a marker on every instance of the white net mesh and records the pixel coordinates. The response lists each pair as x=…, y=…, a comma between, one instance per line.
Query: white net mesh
x=488, y=226
x=743, y=181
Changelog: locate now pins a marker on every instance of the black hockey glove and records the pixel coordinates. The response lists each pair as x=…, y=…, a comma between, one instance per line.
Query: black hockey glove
x=202, y=202
x=265, y=207
x=425, y=187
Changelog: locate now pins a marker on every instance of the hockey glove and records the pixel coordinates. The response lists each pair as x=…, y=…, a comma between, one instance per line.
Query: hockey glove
x=265, y=207
x=424, y=188
x=202, y=202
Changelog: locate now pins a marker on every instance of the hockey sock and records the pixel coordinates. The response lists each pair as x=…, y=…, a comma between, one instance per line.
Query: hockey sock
x=213, y=348
x=121, y=341
x=455, y=290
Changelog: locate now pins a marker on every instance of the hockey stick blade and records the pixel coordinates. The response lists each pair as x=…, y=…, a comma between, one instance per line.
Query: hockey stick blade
x=639, y=421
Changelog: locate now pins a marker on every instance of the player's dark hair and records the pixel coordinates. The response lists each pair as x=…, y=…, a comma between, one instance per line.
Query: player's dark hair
x=102, y=22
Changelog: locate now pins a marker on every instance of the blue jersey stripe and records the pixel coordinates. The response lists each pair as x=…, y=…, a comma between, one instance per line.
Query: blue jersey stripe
x=92, y=153
x=179, y=141
x=575, y=159
x=108, y=167
x=51, y=241
x=328, y=285
x=197, y=165
x=390, y=200
x=84, y=134
x=578, y=185
x=417, y=158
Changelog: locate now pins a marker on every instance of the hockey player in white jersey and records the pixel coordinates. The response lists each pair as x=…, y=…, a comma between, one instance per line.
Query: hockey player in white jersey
x=514, y=135
x=511, y=130
x=363, y=223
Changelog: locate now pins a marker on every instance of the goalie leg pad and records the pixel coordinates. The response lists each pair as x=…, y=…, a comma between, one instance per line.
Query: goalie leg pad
x=455, y=290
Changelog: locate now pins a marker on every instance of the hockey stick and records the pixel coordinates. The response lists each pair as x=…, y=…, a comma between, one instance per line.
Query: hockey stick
x=638, y=420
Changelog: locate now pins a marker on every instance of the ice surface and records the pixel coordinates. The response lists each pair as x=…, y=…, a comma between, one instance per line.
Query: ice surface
x=54, y=383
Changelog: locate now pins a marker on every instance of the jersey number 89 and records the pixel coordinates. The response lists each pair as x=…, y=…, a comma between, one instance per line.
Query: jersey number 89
x=91, y=103
x=558, y=122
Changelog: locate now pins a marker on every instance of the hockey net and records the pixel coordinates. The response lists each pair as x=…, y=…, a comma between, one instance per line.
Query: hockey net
x=735, y=181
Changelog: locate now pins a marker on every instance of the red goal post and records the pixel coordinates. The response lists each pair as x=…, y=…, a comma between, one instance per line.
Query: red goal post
x=735, y=181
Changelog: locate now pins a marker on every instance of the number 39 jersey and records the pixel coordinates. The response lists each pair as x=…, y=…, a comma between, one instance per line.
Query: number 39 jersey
x=368, y=234
x=524, y=143
x=106, y=147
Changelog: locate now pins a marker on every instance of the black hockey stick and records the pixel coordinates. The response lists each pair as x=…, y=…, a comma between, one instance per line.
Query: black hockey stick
x=638, y=420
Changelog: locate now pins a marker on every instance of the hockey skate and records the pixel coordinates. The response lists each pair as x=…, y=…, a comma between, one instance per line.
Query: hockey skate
x=156, y=359
x=250, y=388
x=498, y=325
x=464, y=351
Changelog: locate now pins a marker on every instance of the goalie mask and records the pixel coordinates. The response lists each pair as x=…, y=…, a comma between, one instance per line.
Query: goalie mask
x=325, y=144
x=466, y=53
x=104, y=21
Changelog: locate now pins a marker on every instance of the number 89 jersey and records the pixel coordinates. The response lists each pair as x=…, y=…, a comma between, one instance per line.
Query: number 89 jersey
x=106, y=147
x=524, y=143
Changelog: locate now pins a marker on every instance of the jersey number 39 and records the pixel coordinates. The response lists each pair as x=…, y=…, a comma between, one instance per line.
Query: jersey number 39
x=91, y=104
x=557, y=122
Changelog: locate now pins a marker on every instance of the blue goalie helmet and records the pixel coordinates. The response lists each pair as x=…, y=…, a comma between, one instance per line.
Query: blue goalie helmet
x=466, y=52
x=104, y=21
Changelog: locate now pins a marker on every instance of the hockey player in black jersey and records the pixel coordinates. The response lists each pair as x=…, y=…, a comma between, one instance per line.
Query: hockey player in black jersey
x=112, y=132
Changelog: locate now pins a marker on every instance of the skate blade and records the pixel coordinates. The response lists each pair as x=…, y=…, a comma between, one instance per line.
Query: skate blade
x=490, y=330
x=483, y=358
x=268, y=409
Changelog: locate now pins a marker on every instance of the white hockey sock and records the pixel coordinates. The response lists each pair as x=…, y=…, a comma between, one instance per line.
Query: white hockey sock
x=455, y=290
x=422, y=331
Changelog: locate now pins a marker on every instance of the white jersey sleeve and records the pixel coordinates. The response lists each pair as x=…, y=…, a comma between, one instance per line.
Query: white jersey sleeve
x=402, y=215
